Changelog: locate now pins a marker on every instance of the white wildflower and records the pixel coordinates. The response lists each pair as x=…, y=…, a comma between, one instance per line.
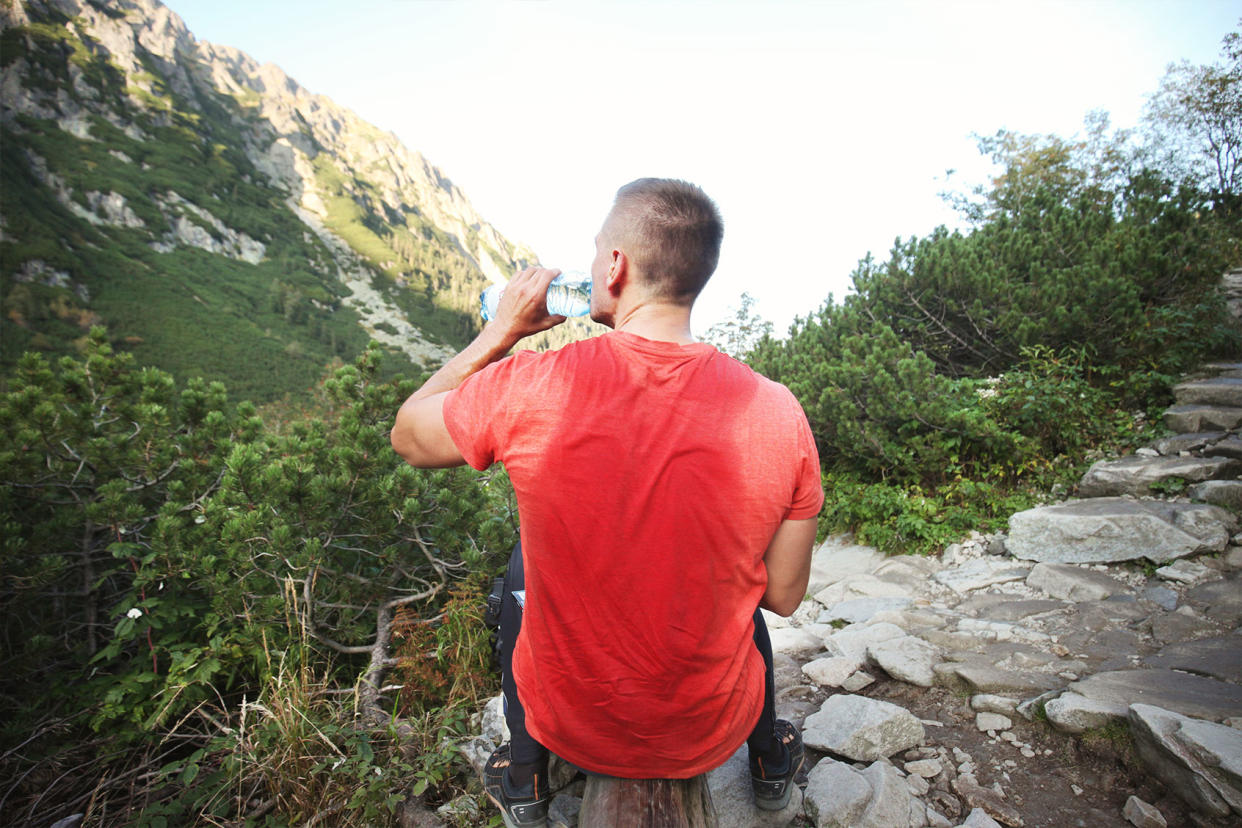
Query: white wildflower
x=134, y=613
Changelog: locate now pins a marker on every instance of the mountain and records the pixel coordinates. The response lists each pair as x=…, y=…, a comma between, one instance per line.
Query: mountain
x=217, y=217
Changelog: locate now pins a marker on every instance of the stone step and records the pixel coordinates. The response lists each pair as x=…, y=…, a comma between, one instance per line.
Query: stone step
x=1135, y=475
x=1224, y=391
x=1196, y=417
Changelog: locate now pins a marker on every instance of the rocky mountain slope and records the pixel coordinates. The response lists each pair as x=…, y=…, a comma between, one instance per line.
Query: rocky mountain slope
x=219, y=218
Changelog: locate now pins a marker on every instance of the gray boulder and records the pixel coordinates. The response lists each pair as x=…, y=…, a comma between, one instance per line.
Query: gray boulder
x=1110, y=529
x=1073, y=583
x=1136, y=475
x=1218, y=657
x=1200, y=761
x=1072, y=713
x=862, y=729
x=907, y=659
x=838, y=796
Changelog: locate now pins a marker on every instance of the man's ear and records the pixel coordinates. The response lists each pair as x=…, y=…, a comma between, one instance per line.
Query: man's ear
x=618, y=271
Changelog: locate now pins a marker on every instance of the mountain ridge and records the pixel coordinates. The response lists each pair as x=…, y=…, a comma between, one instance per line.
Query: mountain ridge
x=376, y=242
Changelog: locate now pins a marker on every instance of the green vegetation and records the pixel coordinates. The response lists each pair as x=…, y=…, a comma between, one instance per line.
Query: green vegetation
x=190, y=592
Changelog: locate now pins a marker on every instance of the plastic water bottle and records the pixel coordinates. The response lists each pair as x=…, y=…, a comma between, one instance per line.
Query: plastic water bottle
x=568, y=295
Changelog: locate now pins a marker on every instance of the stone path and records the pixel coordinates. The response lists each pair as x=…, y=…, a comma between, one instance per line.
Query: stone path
x=981, y=687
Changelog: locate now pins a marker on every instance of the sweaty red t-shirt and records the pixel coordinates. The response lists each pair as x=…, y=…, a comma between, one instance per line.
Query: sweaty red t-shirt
x=650, y=477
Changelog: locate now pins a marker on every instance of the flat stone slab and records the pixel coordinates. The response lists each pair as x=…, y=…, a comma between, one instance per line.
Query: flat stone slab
x=862, y=729
x=1183, y=418
x=1219, y=658
x=858, y=610
x=977, y=678
x=1017, y=610
x=734, y=800
x=1110, y=529
x=1194, y=441
x=1136, y=475
x=1190, y=695
x=981, y=573
x=1073, y=583
x=1226, y=391
x=1223, y=493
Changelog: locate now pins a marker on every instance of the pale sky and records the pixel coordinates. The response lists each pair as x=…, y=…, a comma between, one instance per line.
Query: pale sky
x=822, y=128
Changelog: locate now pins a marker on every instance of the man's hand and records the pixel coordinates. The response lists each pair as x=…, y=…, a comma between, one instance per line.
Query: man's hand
x=419, y=434
x=523, y=308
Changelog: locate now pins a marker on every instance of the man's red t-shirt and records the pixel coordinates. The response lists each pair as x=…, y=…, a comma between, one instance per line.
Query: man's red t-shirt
x=650, y=477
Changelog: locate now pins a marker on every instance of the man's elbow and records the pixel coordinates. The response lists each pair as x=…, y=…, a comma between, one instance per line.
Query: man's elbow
x=782, y=604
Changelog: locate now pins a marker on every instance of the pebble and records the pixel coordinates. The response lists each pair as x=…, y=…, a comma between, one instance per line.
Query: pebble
x=1028, y=753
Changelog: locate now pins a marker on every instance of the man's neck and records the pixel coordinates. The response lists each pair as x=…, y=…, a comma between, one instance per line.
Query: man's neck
x=656, y=321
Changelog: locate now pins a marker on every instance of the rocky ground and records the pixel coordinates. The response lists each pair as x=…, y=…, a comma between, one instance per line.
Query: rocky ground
x=1082, y=669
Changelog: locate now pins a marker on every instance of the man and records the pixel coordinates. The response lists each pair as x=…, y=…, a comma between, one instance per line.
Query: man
x=665, y=491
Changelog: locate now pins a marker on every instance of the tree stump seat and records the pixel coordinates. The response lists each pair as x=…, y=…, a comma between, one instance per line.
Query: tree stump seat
x=608, y=802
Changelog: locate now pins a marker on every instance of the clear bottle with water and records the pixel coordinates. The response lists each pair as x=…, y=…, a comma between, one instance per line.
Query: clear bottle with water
x=568, y=295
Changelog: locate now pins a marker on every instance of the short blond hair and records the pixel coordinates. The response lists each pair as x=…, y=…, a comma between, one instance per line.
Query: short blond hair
x=671, y=231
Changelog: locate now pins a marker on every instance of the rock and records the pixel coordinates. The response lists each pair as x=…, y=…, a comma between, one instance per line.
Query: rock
x=862, y=729
x=1219, y=391
x=1017, y=610
x=563, y=811
x=907, y=659
x=837, y=558
x=1220, y=600
x=1141, y=815
x=980, y=573
x=1136, y=475
x=1226, y=493
x=1072, y=583
x=857, y=682
x=1185, y=572
x=854, y=641
x=987, y=703
x=1161, y=595
x=1200, y=761
x=864, y=585
x=1219, y=657
x=1233, y=557
x=734, y=799
x=978, y=818
x=1187, y=442
x=1183, y=693
x=795, y=641
x=494, y=726
x=861, y=610
x=926, y=768
x=1110, y=529
x=976, y=796
x=1196, y=417
x=892, y=803
x=992, y=721
x=836, y=795
x=977, y=677
x=831, y=671
x=1074, y=713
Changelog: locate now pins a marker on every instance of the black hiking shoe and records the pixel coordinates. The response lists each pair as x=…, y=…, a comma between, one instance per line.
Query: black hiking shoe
x=525, y=807
x=773, y=785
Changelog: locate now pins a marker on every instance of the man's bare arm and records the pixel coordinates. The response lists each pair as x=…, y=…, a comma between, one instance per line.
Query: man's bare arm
x=788, y=561
x=419, y=434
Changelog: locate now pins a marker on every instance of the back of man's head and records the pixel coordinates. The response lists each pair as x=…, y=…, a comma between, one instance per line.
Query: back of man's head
x=671, y=231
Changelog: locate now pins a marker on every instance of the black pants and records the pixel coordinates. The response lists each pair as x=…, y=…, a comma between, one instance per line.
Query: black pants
x=523, y=747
